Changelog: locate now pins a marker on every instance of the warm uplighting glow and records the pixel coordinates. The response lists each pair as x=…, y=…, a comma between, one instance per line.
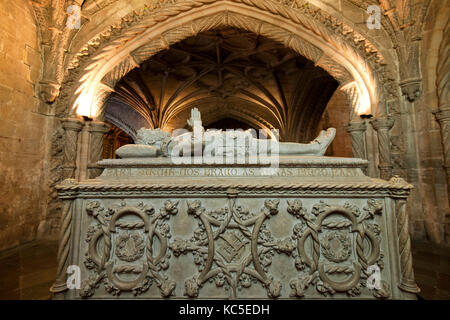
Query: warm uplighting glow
x=359, y=97
x=364, y=107
x=84, y=105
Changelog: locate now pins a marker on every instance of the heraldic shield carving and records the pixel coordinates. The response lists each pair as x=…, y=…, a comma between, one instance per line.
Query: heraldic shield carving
x=132, y=265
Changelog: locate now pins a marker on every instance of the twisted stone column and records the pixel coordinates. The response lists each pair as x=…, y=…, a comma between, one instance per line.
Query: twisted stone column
x=407, y=283
x=357, y=132
x=382, y=126
x=97, y=129
x=72, y=127
x=65, y=232
x=443, y=116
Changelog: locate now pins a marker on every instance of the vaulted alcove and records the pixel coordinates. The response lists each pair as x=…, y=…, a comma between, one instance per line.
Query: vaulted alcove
x=229, y=74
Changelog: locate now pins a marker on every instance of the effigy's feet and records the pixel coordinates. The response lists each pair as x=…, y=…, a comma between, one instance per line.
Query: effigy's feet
x=319, y=137
x=324, y=139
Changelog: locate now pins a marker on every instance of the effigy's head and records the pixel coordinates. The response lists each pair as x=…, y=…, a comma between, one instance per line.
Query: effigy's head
x=151, y=137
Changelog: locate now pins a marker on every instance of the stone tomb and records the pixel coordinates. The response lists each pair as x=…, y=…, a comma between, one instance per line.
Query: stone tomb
x=317, y=227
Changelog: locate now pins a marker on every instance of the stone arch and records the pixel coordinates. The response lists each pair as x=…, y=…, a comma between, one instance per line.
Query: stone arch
x=147, y=34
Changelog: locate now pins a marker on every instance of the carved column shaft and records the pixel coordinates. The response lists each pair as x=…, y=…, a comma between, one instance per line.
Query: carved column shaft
x=60, y=284
x=407, y=283
x=97, y=129
x=443, y=116
x=357, y=132
x=382, y=126
x=72, y=127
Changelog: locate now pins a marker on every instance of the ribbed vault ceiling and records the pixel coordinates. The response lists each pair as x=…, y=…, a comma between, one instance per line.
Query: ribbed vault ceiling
x=227, y=74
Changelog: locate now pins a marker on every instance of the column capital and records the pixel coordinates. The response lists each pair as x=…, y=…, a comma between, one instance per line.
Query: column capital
x=356, y=126
x=411, y=88
x=382, y=123
x=98, y=126
x=443, y=115
x=73, y=124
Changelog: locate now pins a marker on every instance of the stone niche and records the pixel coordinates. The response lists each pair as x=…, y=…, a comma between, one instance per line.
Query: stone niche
x=315, y=228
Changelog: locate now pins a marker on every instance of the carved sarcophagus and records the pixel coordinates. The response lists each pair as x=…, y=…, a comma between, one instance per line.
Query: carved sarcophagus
x=316, y=227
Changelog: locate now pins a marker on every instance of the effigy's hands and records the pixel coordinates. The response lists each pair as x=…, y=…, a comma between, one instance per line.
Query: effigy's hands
x=195, y=120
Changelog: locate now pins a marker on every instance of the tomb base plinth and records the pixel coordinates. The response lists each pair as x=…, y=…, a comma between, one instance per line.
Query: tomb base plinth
x=314, y=228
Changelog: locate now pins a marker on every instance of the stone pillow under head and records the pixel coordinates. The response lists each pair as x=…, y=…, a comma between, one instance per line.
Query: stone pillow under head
x=137, y=151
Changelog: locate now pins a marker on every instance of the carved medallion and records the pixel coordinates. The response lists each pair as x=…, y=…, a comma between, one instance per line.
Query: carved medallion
x=336, y=246
x=129, y=246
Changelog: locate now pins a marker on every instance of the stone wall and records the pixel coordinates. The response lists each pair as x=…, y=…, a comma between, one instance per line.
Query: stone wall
x=23, y=128
x=336, y=116
x=429, y=203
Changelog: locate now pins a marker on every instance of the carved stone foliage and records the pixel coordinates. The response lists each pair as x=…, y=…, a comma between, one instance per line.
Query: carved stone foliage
x=326, y=238
x=232, y=247
x=332, y=247
x=132, y=230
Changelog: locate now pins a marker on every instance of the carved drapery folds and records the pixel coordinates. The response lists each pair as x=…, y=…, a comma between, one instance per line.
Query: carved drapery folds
x=72, y=127
x=382, y=126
